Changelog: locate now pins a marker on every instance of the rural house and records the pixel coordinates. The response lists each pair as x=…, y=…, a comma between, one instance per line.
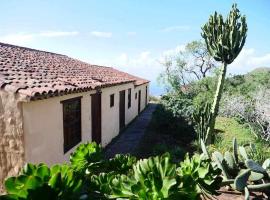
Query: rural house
x=49, y=103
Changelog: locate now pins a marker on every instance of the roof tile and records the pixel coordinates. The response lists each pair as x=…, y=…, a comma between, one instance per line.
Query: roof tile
x=40, y=74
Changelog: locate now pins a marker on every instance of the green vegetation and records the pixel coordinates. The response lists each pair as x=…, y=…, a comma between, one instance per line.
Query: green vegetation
x=239, y=171
x=121, y=177
x=238, y=156
x=229, y=128
x=224, y=40
x=41, y=182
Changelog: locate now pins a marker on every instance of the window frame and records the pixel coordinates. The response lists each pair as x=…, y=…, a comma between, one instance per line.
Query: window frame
x=111, y=100
x=70, y=139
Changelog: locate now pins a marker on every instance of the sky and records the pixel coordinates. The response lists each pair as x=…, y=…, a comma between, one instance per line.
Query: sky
x=130, y=35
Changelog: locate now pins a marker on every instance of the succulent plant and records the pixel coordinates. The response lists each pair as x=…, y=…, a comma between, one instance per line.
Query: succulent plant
x=198, y=172
x=201, y=118
x=224, y=39
x=42, y=182
x=241, y=174
x=86, y=157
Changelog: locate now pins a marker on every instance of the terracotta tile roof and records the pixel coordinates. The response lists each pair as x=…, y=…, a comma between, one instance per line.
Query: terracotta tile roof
x=40, y=74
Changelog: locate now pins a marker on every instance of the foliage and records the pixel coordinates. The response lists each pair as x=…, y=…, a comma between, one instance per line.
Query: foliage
x=178, y=105
x=188, y=65
x=99, y=181
x=120, y=164
x=152, y=178
x=198, y=173
x=201, y=118
x=165, y=122
x=153, y=98
x=86, y=156
x=42, y=182
x=241, y=172
x=224, y=40
x=228, y=128
x=176, y=152
x=158, y=178
x=253, y=110
x=119, y=177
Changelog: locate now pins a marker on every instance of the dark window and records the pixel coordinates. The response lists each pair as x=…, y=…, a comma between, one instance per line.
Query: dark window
x=71, y=122
x=111, y=100
x=136, y=95
x=129, y=98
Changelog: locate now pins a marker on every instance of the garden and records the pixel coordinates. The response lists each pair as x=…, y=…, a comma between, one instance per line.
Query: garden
x=209, y=135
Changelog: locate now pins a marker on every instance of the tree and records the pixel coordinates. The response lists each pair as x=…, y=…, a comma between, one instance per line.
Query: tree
x=191, y=64
x=224, y=40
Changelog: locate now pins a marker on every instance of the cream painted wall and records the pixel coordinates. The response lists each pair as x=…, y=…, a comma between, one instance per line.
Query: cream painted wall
x=143, y=93
x=110, y=116
x=43, y=122
x=43, y=128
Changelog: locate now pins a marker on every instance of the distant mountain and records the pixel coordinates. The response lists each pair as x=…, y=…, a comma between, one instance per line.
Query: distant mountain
x=260, y=69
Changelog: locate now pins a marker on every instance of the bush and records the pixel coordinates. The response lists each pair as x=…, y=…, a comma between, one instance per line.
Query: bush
x=120, y=177
x=41, y=182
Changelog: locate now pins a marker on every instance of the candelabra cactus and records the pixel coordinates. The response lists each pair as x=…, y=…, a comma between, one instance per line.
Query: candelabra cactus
x=239, y=171
x=224, y=40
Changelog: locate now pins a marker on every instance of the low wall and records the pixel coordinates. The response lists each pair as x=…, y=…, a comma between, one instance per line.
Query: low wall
x=11, y=135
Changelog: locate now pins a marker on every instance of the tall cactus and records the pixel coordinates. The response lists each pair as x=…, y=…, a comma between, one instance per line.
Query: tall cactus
x=225, y=40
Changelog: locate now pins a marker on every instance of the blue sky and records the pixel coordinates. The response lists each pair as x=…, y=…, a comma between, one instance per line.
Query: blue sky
x=127, y=34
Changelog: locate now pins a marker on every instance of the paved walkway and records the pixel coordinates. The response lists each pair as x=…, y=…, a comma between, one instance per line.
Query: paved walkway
x=128, y=140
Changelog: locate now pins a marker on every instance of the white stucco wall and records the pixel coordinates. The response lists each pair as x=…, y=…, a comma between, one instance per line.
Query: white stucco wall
x=43, y=128
x=110, y=116
x=43, y=122
x=143, y=93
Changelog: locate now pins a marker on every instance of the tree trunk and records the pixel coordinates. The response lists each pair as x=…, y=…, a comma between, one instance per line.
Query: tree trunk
x=215, y=105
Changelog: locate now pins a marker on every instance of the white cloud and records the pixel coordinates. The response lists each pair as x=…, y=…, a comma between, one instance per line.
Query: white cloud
x=19, y=38
x=248, y=60
x=131, y=33
x=26, y=38
x=58, y=33
x=173, y=51
x=101, y=34
x=176, y=28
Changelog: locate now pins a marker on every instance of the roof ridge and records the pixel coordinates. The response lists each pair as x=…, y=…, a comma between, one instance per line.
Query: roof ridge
x=30, y=49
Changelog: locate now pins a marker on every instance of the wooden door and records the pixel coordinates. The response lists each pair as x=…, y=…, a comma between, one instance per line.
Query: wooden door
x=146, y=95
x=139, y=102
x=96, y=117
x=122, y=106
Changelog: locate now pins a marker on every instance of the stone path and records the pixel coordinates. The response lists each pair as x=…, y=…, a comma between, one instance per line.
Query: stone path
x=129, y=139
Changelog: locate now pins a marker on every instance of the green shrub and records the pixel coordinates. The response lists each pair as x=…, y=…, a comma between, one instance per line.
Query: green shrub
x=41, y=182
x=86, y=157
x=198, y=176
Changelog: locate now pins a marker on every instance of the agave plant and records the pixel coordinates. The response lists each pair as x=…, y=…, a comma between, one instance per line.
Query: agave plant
x=42, y=182
x=240, y=172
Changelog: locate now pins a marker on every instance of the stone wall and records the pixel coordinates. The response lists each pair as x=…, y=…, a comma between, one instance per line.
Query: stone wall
x=11, y=135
